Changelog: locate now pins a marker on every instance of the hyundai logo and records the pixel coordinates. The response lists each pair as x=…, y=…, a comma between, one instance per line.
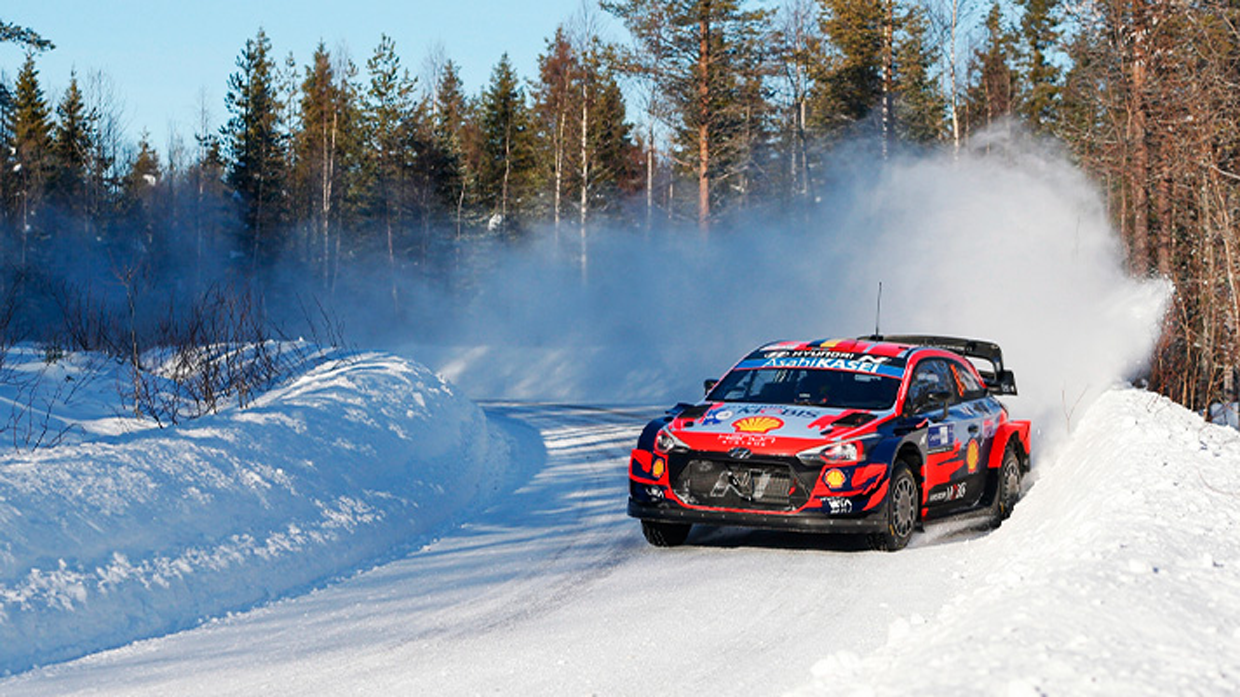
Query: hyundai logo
x=739, y=453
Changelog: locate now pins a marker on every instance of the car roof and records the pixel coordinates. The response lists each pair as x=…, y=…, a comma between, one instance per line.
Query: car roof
x=858, y=346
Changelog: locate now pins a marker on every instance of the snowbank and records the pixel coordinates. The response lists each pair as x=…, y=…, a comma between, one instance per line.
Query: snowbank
x=1119, y=573
x=111, y=538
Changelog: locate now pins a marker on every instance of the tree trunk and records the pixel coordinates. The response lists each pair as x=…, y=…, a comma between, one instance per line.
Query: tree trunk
x=704, y=116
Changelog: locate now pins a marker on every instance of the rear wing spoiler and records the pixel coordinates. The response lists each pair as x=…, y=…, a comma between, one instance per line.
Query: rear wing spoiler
x=998, y=380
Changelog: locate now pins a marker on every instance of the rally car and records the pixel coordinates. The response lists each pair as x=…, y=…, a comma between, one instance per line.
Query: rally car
x=868, y=436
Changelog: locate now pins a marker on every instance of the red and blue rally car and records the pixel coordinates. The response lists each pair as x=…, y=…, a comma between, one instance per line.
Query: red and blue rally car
x=867, y=436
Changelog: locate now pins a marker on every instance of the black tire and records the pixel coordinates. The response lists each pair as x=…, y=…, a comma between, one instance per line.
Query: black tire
x=665, y=534
x=1007, y=488
x=903, y=500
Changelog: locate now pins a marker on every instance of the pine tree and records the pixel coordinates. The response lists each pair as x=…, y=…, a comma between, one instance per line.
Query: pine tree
x=30, y=144
x=555, y=113
x=616, y=159
x=325, y=152
x=139, y=195
x=73, y=146
x=704, y=57
x=451, y=123
x=920, y=105
x=388, y=110
x=849, y=84
x=256, y=150
x=586, y=153
x=506, y=157
x=991, y=94
x=17, y=34
x=1039, y=35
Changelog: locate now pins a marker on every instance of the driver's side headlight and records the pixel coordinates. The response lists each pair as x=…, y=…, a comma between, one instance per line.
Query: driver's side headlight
x=833, y=453
x=665, y=442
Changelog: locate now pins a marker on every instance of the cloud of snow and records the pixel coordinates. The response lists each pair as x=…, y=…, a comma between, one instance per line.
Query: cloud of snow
x=1007, y=242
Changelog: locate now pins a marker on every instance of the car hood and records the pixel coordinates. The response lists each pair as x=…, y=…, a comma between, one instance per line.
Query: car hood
x=768, y=427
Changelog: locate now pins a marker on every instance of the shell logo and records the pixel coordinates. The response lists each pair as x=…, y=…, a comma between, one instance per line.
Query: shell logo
x=757, y=424
x=972, y=455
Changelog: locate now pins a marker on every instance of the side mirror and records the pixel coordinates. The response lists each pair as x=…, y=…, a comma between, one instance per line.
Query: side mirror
x=935, y=398
x=709, y=385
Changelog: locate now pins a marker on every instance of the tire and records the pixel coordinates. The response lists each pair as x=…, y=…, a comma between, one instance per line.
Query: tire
x=1007, y=488
x=665, y=534
x=902, y=504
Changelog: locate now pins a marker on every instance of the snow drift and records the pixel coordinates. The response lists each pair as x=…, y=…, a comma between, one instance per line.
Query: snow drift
x=1118, y=574
x=110, y=538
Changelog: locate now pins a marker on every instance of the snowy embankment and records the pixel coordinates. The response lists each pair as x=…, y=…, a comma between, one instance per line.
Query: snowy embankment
x=111, y=537
x=1119, y=573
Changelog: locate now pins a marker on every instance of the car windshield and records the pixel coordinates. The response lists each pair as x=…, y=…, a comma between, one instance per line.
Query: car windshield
x=839, y=389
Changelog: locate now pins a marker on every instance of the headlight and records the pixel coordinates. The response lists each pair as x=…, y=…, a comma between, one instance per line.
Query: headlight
x=834, y=453
x=665, y=442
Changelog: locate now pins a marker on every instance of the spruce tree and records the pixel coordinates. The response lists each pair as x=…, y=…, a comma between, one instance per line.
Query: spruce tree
x=139, y=194
x=991, y=93
x=849, y=83
x=256, y=150
x=73, y=146
x=920, y=104
x=325, y=147
x=30, y=145
x=387, y=110
x=451, y=125
x=1039, y=35
x=506, y=148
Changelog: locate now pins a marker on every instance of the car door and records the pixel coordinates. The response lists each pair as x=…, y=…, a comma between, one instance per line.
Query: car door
x=979, y=414
x=954, y=472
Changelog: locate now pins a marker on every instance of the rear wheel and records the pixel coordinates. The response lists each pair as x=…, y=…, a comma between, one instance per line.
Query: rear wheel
x=902, y=501
x=1007, y=488
x=665, y=534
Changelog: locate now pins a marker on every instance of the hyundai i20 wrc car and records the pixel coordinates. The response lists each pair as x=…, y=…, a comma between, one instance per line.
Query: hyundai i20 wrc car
x=868, y=436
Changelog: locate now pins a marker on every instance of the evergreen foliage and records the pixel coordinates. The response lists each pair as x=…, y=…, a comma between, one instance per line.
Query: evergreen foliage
x=255, y=149
x=505, y=169
x=317, y=167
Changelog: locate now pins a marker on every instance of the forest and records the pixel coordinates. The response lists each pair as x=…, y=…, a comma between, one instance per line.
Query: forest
x=706, y=111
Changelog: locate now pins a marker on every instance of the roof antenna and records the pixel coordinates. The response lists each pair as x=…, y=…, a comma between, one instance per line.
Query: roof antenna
x=878, y=313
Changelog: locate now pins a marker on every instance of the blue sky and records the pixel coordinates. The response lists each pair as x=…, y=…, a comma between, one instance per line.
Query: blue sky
x=161, y=54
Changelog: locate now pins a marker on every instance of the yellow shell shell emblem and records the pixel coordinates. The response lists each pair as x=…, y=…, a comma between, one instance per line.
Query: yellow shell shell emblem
x=757, y=424
x=971, y=456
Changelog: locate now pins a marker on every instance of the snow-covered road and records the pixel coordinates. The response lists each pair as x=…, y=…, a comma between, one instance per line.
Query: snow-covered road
x=551, y=590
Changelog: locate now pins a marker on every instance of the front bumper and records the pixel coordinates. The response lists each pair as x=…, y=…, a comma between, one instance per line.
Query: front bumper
x=811, y=521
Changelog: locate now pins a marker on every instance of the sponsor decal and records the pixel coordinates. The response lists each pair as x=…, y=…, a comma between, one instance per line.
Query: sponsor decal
x=834, y=479
x=757, y=424
x=873, y=365
x=837, y=506
x=940, y=437
x=972, y=455
x=716, y=416
x=744, y=440
x=735, y=409
x=952, y=492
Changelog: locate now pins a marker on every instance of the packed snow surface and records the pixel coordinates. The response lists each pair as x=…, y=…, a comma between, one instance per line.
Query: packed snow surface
x=1118, y=573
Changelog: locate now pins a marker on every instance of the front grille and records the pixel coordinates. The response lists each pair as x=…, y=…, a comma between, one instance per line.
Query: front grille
x=737, y=484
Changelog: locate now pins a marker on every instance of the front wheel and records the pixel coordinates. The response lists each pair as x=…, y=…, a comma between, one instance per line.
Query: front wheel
x=1007, y=488
x=902, y=501
x=665, y=534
